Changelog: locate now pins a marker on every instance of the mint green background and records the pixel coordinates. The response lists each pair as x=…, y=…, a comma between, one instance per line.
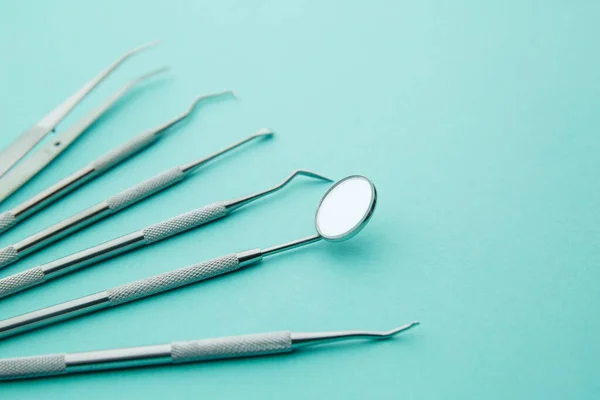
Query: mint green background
x=477, y=121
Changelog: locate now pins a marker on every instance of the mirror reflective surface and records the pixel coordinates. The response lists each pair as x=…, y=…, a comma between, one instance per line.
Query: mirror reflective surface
x=346, y=208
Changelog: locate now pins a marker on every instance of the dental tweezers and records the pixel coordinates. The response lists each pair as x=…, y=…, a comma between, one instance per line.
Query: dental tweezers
x=13, y=176
x=180, y=352
x=113, y=205
x=143, y=237
x=11, y=218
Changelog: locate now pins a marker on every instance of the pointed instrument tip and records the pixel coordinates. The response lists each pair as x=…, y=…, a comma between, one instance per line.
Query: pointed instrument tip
x=402, y=328
x=210, y=96
x=310, y=174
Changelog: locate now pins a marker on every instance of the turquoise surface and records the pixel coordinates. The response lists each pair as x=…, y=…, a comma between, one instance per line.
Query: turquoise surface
x=477, y=121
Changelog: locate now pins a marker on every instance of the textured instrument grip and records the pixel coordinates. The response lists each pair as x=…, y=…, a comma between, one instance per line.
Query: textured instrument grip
x=32, y=367
x=8, y=255
x=23, y=280
x=184, y=222
x=229, y=347
x=7, y=220
x=145, y=189
x=171, y=280
x=124, y=151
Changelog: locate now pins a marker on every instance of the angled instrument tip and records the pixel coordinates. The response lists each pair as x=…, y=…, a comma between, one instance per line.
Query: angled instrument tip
x=310, y=174
x=164, y=127
x=303, y=339
x=298, y=172
x=399, y=329
x=209, y=96
x=237, y=203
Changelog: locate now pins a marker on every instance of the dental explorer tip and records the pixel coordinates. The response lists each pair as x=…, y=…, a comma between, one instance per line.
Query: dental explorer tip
x=310, y=174
x=199, y=99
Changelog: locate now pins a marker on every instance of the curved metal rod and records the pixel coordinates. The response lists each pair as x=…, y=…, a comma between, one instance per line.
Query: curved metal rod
x=162, y=128
x=305, y=339
x=235, y=204
x=261, y=133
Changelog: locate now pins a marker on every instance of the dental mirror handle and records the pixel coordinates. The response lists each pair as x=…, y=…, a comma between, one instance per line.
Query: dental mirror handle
x=113, y=205
x=9, y=219
x=179, y=352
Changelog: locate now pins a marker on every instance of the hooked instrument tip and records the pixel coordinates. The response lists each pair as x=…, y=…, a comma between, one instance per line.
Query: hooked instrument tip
x=303, y=339
x=310, y=174
x=209, y=96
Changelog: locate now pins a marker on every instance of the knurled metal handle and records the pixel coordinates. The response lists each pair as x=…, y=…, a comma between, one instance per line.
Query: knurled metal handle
x=32, y=367
x=8, y=255
x=7, y=220
x=173, y=279
x=231, y=347
x=124, y=151
x=145, y=189
x=184, y=222
x=21, y=281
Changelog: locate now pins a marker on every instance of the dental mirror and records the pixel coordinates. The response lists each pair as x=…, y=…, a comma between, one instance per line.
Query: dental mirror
x=346, y=208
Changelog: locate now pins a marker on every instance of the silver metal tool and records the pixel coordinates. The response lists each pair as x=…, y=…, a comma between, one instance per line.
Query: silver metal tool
x=112, y=205
x=11, y=218
x=180, y=352
x=143, y=237
x=13, y=176
x=343, y=212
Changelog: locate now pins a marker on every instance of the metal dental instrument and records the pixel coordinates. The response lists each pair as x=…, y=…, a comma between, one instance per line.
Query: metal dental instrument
x=180, y=352
x=112, y=205
x=143, y=237
x=116, y=156
x=30, y=138
x=343, y=212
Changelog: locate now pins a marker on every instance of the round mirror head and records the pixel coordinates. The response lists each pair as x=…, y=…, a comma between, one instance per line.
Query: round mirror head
x=346, y=208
